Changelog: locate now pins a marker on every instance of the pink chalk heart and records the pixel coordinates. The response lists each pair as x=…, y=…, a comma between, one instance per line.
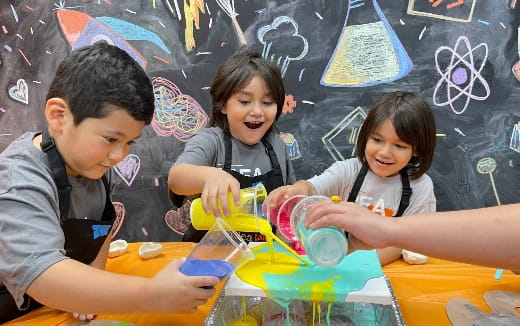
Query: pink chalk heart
x=179, y=220
x=128, y=168
x=120, y=217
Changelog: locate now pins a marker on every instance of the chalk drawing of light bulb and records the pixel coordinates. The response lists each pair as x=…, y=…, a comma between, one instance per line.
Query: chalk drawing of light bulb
x=279, y=38
x=343, y=137
x=514, y=144
x=488, y=165
x=368, y=51
x=228, y=6
x=461, y=79
x=175, y=113
x=516, y=67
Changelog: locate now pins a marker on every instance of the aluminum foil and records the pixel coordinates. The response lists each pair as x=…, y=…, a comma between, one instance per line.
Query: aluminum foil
x=267, y=312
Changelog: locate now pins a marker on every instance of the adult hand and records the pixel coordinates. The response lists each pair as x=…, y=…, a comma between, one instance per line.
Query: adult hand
x=170, y=291
x=370, y=228
x=216, y=190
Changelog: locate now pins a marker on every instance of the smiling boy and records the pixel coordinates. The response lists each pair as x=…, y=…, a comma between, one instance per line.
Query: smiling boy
x=56, y=210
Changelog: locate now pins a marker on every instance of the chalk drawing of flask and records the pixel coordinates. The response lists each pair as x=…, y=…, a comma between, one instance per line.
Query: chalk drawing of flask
x=368, y=50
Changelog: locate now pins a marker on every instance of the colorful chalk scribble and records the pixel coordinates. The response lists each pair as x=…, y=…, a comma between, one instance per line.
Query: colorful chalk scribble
x=368, y=53
x=460, y=75
x=175, y=113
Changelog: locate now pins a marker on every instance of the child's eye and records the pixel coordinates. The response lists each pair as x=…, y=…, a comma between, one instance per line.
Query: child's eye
x=401, y=146
x=244, y=102
x=268, y=103
x=376, y=139
x=111, y=139
x=131, y=142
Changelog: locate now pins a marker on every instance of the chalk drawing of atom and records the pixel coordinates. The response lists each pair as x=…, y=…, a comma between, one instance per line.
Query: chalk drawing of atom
x=461, y=80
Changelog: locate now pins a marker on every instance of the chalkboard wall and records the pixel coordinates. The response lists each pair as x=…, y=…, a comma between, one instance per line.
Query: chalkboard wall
x=337, y=57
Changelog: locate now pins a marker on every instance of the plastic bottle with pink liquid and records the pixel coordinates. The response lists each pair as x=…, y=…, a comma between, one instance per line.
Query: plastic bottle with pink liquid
x=325, y=246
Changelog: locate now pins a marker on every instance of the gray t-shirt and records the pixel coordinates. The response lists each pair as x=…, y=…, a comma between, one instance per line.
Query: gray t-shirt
x=207, y=148
x=380, y=195
x=31, y=237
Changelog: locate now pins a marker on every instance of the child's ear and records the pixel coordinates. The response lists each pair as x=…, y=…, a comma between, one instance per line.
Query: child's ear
x=55, y=111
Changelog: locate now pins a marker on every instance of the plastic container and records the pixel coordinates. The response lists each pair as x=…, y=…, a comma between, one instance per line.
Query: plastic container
x=218, y=253
x=326, y=246
x=251, y=200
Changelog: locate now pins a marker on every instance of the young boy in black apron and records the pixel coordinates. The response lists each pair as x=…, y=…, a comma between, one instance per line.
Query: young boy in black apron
x=242, y=147
x=56, y=211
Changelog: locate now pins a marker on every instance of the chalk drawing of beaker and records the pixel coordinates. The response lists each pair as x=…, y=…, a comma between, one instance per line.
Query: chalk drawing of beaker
x=368, y=50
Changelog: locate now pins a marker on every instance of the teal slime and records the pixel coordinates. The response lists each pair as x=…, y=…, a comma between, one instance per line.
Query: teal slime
x=209, y=267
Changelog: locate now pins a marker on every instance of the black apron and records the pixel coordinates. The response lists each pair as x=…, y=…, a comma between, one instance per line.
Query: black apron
x=83, y=237
x=405, y=196
x=271, y=180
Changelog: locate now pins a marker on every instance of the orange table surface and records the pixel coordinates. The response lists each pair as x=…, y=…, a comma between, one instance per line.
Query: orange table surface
x=130, y=263
x=422, y=291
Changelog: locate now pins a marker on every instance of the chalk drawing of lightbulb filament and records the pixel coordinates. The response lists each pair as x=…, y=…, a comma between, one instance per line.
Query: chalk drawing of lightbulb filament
x=461, y=78
x=280, y=37
x=368, y=50
x=175, y=113
x=488, y=165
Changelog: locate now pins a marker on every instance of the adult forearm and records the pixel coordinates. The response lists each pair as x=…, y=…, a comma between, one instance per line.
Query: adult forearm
x=487, y=236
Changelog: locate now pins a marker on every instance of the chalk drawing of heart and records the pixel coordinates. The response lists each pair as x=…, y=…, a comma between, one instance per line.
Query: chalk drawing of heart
x=179, y=220
x=120, y=217
x=128, y=168
x=20, y=92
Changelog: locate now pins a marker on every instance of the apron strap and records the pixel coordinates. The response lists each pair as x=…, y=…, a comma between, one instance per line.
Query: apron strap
x=406, y=192
x=57, y=166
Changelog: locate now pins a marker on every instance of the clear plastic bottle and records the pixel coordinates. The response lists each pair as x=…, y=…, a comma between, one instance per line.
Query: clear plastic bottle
x=251, y=200
x=325, y=246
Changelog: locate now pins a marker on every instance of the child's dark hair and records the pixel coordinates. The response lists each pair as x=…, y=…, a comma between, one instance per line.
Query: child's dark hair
x=413, y=121
x=234, y=74
x=99, y=74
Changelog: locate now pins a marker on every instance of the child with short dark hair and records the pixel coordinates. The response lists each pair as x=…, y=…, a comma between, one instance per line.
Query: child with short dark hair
x=56, y=211
x=242, y=147
x=395, y=148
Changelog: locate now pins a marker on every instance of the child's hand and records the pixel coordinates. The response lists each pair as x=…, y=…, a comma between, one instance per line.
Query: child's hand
x=83, y=316
x=170, y=291
x=216, y=190
x=281, y=194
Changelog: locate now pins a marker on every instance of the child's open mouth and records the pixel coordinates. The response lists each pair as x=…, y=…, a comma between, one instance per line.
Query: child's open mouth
x=382, y=162
x=253, y=125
